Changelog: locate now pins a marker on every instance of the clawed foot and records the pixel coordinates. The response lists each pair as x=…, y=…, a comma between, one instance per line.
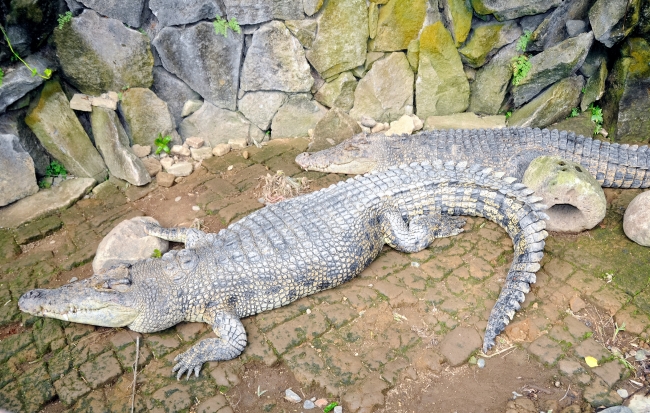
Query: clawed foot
x=188, y=362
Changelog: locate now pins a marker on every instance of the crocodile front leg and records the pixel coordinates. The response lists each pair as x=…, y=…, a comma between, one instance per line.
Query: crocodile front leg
x=191, y=237
x=230, y=343
x=420, y=232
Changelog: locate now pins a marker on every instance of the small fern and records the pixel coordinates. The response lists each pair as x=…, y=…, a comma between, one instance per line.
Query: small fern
x=2, y=76
x=520, y=68
x=522, y=43
x=222, y=25
x=64, y=18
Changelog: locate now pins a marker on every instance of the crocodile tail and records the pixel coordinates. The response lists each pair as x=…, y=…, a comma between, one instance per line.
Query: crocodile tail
x=614, y=165
x=513, y=206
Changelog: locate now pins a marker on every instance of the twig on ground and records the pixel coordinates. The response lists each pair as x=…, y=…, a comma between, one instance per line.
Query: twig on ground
x=135, y=371
x=565, y=394
x=497, y=353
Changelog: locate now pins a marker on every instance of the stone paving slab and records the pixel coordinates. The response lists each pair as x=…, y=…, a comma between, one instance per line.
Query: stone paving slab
x=404, y=319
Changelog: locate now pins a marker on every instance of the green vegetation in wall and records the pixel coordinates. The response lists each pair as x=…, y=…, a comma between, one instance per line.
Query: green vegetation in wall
x=64, y=18
x=222, y=25
x=47, y=73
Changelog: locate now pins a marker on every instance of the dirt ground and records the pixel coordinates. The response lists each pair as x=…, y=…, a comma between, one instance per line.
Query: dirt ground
x=402, y=337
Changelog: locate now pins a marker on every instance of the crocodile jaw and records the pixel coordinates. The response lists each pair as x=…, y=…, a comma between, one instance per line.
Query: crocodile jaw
x=81, y=302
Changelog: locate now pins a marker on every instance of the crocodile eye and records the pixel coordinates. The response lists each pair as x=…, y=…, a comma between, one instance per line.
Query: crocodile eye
x=121, y=285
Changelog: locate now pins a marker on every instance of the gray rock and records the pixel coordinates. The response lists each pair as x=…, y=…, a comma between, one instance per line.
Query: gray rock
x=296, y=117
x=180, y=169
x=386, y=90
x=575, y=199
x=19, y=81
x=291, y=396
x=553, y=64
x=146, y=116
x=530, y=23
x=441, y=86
x=610, y=20
x=177, y=12
x=554, y=28
x=335, y=127
x=113, y=144
x=595, y=58
x=127, y=11
x=61, y=134
x=74, y=6
x=114, y=56
x=338, y=93
x=153, y=166
x=18, y=178
x=215, y=125
x=551, y=106
x=599, y=394
x=595, y=87
x=491, y=83
x=140, y=151
x=173, y=91
x=636, y=221
x=208, y=62
x=617, y=409
x=575, y=27
x=312, y=6
x=274, y=47
x=303, y=30
x=639, y=403
x=127, y=244
x=340, y=43
x=259, y=11
x=511, y=9
x=260, y=107
x=45, y=202
x=13, y=123
x=486, y=40
x=399, y=22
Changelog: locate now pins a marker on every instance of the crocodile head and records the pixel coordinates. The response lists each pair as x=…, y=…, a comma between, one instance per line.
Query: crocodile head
x=356, y=155
x=116, y=298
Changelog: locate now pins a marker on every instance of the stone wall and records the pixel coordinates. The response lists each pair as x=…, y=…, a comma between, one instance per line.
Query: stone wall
x=295, y=68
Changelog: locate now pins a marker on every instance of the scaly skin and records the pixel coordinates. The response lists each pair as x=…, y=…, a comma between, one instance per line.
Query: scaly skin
x=509, y=150
x=299, y=247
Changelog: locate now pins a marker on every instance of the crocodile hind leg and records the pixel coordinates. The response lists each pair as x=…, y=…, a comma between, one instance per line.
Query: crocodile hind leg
x=230, y=343
x=188, y=236
x=420, y=231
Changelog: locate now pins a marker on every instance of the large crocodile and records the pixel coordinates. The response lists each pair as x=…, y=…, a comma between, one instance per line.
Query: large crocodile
x=298, y=247
x=509, y=150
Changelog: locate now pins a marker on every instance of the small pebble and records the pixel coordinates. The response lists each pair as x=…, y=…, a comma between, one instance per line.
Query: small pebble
x=480, y=363
x=178, y=198
x=245, y=154
x=557, y=384
x=230, y=167
x=640, y=355
x=623, y=393
x=73, y=279
x=415, y=264
x=291, y=396
x=308, y=405
x=338, y=409
x=308, y=311
x=196, y=208
x=320, y=403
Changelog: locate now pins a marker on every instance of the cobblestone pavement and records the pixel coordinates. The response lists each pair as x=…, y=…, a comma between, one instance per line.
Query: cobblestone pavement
x=396, y=339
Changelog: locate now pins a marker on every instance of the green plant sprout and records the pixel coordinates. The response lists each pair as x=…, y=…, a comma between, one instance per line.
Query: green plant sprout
x=523, y=41
x=56, y=169
x=156, y=253
x=618, y=330
x=161, y=143
x=64, y=18
x=596, y=117
x=2, y=76
x=574, y=112
x=508, y=114
x=47, y=73
x=520, y=68
x=222, y=25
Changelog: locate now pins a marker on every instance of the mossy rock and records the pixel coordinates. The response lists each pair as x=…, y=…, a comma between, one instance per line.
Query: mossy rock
x=398, y=23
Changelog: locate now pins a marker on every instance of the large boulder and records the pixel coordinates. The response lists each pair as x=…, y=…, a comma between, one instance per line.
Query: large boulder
x=511, y=9
x=127, y=11
x=398, y=23
x=553, y=29
x=98, y=54
x=636, y=221
x=551, y=106
x=260, y=11
x=339, y=92
x=173, y=91
x=45, y=202
x=628, y=101
x=127, y=244
x=61, y=133
x=335, y=127
x=441, y=87
x=486, y=40
x=260, y=107
x=303, y=30
x=551, y=65
x=146, y=116
x=177, y=12
x=18, y=177
x=458, y=16
x=208, y=62
x=386, y=91
x=20, y=80
x=216, y=125
x=113, y=144
x=275, y=60
x=296, y=117
x=612, y=20
x=340, y=43
x=491, y=83
x=575, y=200
x=13, y=123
